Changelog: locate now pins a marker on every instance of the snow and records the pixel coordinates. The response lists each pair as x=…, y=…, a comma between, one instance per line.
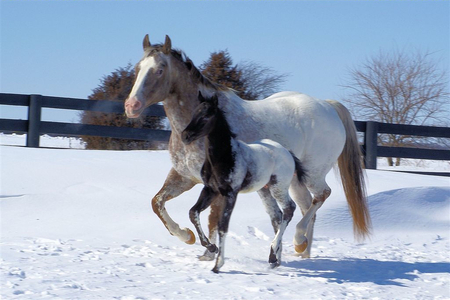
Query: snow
x=45, y=141
x=77, y=224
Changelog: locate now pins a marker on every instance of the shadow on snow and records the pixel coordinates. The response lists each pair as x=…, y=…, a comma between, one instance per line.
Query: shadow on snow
x=364, y=270
x=355, y=270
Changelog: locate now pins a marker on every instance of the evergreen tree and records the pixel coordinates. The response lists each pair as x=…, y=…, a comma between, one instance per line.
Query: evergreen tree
x=219, y=69
x=250, y=80
x=117, y=86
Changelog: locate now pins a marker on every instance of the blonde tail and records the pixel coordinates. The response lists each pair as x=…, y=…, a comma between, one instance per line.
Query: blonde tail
x=352, y=175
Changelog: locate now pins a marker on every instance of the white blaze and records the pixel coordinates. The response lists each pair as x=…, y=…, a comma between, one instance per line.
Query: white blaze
x=145, y=65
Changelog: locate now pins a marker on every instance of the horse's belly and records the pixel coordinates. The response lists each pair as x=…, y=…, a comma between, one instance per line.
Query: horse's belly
x=256, y=184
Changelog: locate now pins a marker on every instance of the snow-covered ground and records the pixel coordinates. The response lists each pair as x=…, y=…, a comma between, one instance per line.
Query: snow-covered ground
x=45, y=141
x=77, y=224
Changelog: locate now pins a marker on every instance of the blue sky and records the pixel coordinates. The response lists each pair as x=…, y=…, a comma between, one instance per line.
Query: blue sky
x=63, y=48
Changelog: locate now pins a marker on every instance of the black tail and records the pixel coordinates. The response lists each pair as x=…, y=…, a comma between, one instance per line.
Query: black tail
x=301, y=172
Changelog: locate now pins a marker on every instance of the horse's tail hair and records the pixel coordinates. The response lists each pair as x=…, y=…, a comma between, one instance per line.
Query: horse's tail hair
x=299, y=169
x=352, y=175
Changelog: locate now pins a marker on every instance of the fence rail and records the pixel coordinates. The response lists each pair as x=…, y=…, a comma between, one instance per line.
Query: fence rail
x=34, y=127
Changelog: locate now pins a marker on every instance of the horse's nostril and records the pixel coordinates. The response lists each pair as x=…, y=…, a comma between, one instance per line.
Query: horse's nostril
x=136, y=105
x=133, y=103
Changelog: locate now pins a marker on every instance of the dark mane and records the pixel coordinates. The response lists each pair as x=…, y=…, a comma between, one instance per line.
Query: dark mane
x=192, y=69
x=223, y=123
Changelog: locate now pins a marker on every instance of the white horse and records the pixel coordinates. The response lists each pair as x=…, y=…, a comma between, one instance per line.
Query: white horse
x=318, y=132
x=232, y=166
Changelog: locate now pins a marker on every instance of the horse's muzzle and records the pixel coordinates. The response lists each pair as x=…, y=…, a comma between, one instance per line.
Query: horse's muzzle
x=133, y=107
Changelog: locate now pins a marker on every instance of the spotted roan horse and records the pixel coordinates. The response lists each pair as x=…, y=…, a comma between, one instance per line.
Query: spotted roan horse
x=232, y=166
x=320, y=133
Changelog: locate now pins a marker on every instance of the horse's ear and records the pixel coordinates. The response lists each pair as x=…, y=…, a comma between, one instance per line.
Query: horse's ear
x=200, y=97
x=167, y=45
x=146, y=42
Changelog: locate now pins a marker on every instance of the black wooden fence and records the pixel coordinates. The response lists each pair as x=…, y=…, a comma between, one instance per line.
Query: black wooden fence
x=34, y=127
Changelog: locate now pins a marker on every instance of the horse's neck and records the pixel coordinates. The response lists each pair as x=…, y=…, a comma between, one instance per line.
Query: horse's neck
x=179, y=108
x=240, y=116
x=219, y=144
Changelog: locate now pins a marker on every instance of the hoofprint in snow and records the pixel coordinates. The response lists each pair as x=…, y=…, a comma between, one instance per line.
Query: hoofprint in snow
x=77, y=224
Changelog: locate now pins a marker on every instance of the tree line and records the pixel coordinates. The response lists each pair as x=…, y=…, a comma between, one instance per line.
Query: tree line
x=397, y=87
x=250, y=80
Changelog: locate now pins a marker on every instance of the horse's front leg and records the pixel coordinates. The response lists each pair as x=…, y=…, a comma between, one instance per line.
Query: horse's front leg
x=174, y=185
x=213, y=222
x=224, y=222
x=204, y=201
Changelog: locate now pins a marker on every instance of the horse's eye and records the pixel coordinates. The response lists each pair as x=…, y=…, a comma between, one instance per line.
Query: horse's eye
x=159, y=72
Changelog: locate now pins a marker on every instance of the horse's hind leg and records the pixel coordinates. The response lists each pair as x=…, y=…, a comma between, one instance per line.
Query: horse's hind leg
x=303, y=199
x=174, y=185
x=288, y=208
x=205, y=199
x=321, y=191
x=271, y=207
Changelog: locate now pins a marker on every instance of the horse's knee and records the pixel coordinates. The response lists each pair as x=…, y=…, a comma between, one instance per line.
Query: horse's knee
x=289, y=211
x=321, y=197
x=192, y=215
x=157, y=204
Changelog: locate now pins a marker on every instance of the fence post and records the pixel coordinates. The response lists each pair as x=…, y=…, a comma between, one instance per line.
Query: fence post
x=370, y=144
x=34, y=121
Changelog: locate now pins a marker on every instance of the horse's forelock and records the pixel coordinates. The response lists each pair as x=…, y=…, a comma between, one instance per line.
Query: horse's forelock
x=187, y=62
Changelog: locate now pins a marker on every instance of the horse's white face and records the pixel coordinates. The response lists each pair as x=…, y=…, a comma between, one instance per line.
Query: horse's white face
x=152, y=83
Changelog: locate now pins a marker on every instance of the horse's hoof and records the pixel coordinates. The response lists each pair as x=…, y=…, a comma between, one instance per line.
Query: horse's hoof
x=215, y=270
x=305, y=255
x=302, y=247
x=207, y=256
x=273, y=261
x=274, y=264
x=212, y=248
x=191, y=239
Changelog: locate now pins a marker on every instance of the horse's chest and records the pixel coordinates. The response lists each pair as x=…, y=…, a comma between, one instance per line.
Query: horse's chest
x=187, y=161
x=216, y=178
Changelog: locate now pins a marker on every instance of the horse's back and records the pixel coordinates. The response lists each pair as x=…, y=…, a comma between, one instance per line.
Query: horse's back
x=309, y=127
x=283, y=94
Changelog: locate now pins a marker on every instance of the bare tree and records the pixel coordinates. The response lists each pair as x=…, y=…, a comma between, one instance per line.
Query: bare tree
x=260, y=81
x=399, y=88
